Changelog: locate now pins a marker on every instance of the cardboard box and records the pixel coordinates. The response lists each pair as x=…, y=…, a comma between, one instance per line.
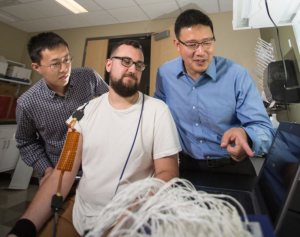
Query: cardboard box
x=3, y=66
x=18, y=72
x=8, y=89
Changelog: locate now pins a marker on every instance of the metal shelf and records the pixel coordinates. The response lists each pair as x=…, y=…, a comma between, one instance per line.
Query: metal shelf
x=15, y=82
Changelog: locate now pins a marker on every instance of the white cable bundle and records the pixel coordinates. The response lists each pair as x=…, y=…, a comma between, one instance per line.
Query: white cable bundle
x=175, y=208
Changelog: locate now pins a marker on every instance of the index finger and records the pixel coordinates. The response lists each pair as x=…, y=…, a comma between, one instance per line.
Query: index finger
x=247, y=148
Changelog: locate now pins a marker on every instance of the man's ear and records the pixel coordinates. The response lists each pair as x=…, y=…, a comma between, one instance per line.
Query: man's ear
x=35, y=67
x=108, y=64
x=176, y=43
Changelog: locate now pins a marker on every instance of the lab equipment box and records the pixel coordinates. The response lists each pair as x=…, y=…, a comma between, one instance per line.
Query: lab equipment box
x=3, y=66
x=14, y=72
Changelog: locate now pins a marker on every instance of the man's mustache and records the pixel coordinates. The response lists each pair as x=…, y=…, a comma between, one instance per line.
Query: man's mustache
x=129, y=75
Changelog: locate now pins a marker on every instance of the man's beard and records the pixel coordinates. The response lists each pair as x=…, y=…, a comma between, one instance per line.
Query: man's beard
x=122, y=89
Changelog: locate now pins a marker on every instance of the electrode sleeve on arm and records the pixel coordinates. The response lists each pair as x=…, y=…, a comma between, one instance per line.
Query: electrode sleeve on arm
x=23, y=228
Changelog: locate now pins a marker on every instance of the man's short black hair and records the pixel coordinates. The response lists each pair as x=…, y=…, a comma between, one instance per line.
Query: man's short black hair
x=133, y=43
x=43, y=41
x=192, y=17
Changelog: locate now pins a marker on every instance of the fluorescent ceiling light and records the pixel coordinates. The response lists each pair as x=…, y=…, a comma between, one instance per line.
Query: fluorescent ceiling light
x=72, y=6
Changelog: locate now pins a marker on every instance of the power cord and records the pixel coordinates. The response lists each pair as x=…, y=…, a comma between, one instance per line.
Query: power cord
x=284, y=67
x=56, y=205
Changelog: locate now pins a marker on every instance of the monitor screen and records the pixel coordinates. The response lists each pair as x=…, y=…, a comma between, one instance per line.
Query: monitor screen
x=281, y=169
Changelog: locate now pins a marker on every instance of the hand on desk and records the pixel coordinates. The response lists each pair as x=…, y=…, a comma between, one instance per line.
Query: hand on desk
x=236, y=142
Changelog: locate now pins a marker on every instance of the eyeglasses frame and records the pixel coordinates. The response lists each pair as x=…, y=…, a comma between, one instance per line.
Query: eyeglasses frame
x=135, y=63
x=198, y=44
x=60, y=63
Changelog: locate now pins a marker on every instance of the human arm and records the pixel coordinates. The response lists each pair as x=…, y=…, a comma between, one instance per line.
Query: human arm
x=47, y=174
x=159, y=87
x=101, y=86
x=40, y=208
x=31, y=147
x=252, y=115
x=166, y=168
x=237, y=142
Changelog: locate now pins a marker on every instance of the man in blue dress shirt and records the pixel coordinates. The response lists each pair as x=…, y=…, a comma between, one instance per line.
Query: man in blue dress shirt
x=215, y=103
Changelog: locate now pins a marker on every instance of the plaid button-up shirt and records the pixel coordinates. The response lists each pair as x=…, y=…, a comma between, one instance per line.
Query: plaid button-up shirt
x=42, y=114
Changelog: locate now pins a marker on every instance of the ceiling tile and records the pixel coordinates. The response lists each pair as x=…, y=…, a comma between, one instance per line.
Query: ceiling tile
x=98, y=18
x=46, y=24
x=89, y=5
x=23, y=12
x=23, y=25
x=161, y=10
x=5, y=3
x=6, y=17
x=71, y=21
x=49, y=8
x=50, y=15
x=129, y=14
x=207, y=6
x=226, y=5
x=26, y=1
x=145, y=2
x=109, y=4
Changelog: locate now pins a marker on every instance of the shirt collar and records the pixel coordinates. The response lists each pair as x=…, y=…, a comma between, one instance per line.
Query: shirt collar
x=180, y=68
x=211, y=70
x=50, y=92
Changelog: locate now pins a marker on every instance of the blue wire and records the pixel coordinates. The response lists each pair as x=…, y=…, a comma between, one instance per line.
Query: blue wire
x=131, y=147
x=54, y=226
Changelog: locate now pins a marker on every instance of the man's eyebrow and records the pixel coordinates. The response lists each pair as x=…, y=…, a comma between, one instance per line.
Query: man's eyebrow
x=195, y=41
x=59, y=59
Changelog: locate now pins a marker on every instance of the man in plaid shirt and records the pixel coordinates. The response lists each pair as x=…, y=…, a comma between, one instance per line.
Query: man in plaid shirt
x=44, y=108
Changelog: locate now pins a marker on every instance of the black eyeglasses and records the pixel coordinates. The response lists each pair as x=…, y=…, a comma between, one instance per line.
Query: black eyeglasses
x=127, y=62
x=206, y=44
x=56, y=66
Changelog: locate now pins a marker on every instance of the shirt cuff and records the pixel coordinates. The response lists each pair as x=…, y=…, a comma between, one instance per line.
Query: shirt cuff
x=256, y=142
x=40, y=166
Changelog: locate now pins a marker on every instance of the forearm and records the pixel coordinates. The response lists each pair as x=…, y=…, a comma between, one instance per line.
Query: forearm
x=261, y=137
x=40, y=210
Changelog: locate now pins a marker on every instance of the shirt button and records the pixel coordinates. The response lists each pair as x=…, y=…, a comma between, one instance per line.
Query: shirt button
x=194, y=107
x=201, y=141
x=207, y=157
x=197, y=124
x=193, y=88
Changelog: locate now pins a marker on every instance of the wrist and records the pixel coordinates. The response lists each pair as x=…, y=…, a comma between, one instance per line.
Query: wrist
x=249, y=140
x=48, y=170
x=23, y=228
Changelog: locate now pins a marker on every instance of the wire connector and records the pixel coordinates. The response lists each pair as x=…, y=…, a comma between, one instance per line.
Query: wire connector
x=57, y=202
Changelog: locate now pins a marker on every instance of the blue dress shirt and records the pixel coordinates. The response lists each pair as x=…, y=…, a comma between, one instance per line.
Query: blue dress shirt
x=225, y=96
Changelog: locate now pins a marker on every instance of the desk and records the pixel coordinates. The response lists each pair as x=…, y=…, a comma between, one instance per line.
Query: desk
x=265, y=224
x=227, y=181
x=291, y=224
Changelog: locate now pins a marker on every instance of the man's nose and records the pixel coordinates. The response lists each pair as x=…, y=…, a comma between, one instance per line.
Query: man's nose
x=63, y=67
x=132, y=68
x=200, y=49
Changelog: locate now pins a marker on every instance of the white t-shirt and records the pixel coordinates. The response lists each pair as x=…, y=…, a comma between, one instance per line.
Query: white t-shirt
x=108, y=135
